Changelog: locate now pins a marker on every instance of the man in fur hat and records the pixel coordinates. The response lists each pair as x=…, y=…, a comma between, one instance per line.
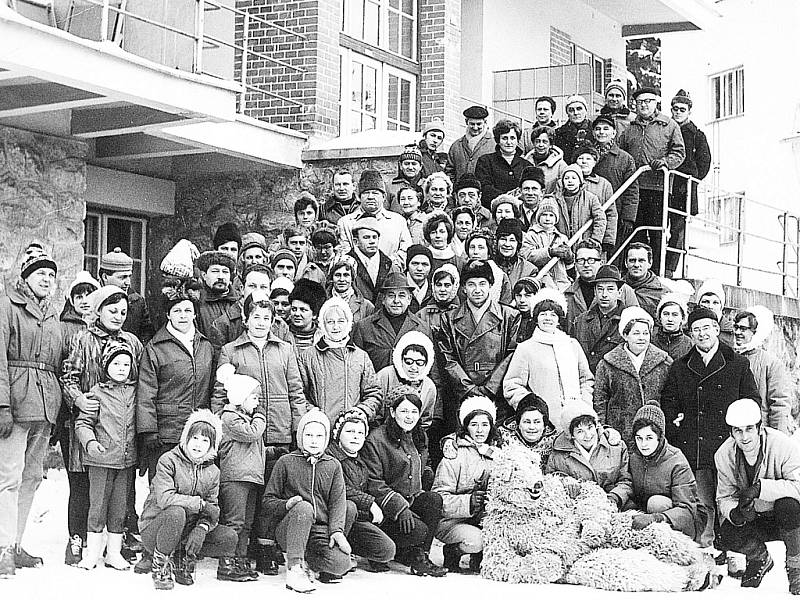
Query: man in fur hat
x=216, y=270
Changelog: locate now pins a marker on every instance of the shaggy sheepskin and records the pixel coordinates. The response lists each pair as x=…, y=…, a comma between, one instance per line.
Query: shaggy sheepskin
x=534, y=532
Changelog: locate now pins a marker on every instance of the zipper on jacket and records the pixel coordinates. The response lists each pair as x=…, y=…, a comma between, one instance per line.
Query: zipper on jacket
x=313, y=497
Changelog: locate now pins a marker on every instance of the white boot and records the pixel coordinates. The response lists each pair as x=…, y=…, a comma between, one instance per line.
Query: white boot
x=95, y=544
x=114, y=558
x=298, y=580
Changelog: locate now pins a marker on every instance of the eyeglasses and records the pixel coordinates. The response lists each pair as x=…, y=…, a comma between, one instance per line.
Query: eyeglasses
x=741, y=328
x=420, y=362
x=703, y=329
x=646, y=100
x=680, y=109
x=586, y=261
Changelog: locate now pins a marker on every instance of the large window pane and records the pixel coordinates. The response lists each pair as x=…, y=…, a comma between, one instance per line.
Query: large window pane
x=394, y=32
x=405, y=101
x=407, y=48
x=500, y=86
x=371, y=23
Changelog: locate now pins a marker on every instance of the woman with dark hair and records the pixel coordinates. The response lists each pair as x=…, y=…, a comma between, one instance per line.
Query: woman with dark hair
x=395, y=455
x=508, y=242
x=499, y=172
x=551, y=363
x=546, y=156
x=480, y=246
x=306, y=212
x=531, y=427
x=464, y=223
x=664, y=487
x=409, y=201
x=461, y=480
x=438, y=234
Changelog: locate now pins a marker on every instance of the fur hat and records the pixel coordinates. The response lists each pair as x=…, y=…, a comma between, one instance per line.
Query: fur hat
x=370, y=223
x=410, y=152
x=673, y=298
x=646, y=90
x=239, y=387
x=574, y=409
x=682, y=97
x=586, y=149
x=113, y=349
x=281, y=283
x=310, y=292
x=116, y=261
x=282, y=254
x=315, y=415
x=416, y=250
x=532, y=174
x=550, y=294
x=743, y=412
x=572, y=169
x=634, y=313
x=505, y=199
x=227, y=232
x=467, y=180
x=213, y=257
x=396, y=395
x=476, y=112
x=701, y=312
x=653, y=415
x=371, y=180
x=550, y=204
x=82, y=277
x=576, y=98
x=352, y=415
x=473, y=404
x=617, y=84
x=445, y=270
x=711, y=286
x=477, y=269
x=509, y=227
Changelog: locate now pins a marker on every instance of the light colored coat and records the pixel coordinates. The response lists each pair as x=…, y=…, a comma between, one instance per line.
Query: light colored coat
x=773, y=385
x=585, y=207
x=535, y=245
x=456, y=477
x=462, y=159
x=646, y=141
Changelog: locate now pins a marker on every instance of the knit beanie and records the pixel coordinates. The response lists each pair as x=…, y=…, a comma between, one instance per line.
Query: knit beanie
x=253, y=236
x=252, y=243
x=37, y=261
x=576, y=98
x=282, y=254
x=227, y=232
x=586, y=149
x=281, y=284
x=371, y=180
x=113, y=349
x=352, y=415
x=476, y=404
x=447, y=270
x=116, y=261
x=573, y=169
x=411, y=152
x=416, y=250
x=509, y=227
x=213, y=257
x=617, y=84
x=532, y=174
x=310, y=292
x=435, y=125
x=397, y=394
x=315, y=415
x=574, y=409
x=548, y=204
x=99, y=296
x=477, y=269
x=467, y=180
x=80, y=278
x=633, y=313
x=711, y=286
x=672, y=298
x=682, y=97
x=239, y=387
x=652, y=415
x=505, y=199
x=701, y=312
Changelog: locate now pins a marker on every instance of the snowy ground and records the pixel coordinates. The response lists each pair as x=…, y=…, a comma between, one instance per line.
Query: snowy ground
x=46, y=536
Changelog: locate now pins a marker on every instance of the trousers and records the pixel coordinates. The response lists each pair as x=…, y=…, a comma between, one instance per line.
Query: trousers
x=108, y=491
x=78, y=501
x=427, y=511
x=301, y=537
x=171, y=527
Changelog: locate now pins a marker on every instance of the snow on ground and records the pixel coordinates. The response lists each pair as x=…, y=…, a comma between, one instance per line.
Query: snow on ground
x=46, y=536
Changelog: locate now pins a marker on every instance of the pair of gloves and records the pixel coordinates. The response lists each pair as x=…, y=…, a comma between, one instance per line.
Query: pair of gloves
x=745, y=511
x=197, y=536
x=561, y=251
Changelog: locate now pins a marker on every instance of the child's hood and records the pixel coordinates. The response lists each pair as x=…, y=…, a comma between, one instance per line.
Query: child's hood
x=314, y=415
x=203, y=415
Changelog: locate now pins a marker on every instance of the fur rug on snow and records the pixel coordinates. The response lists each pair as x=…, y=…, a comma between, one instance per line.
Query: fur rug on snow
x=534, y=532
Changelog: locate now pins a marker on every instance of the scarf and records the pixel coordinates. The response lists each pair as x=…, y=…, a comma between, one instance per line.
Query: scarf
x=603, y=148
x=566, y=363
x=346, y=296
x=186, y=339
x=445, y=253
x=24, y=289
x=333, y=344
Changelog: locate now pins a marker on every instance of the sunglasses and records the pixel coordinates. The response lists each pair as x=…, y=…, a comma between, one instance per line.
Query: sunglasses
x=420, y=362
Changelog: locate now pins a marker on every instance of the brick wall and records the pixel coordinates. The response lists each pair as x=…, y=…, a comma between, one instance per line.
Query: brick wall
x=318, y=87
x=560, y=47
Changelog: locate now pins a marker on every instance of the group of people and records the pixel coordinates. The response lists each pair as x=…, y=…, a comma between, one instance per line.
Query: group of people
x=341, y=391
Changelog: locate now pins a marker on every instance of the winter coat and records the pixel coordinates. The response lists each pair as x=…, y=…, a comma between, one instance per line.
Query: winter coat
x=172, y=383
x=620, y=390
x=319, y=482
x=375, y=335
x=456, y=477
x=518, y=269
x=666, y=473
x=242, y=455
x=608, y=467
x=394, y=468
x=395, y=185
x=112, y=425
x=355, y=481
x=649, y=291
x=778, y=470
x=362, y=282
x=332, y=209
x=622, y=117
x=536, y=243
x=180, y=481
x=462, y=159
x=138, y=320
x=597, y=335
x=478, y=356
x=31, y=348
x=534, y=368
x=275, y=366
x=416, y=225
x=359, y=306
x=601, y=188
x=394, y=237
x=211, y=306
x=647, y=141
x=71, y=324
x=432, y=313
x=569, y=136
x=432, y=162
x=774, y=387
x=697, y=164
x=230, y=325
x=617, y=166
x=497, y=176
x=585, y=207
x=338, y=379
x=675, y=344
x=576, y=303
x=553, y=166
x=703, y=393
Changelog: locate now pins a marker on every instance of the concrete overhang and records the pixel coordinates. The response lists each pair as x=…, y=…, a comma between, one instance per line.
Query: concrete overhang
x=651, y=17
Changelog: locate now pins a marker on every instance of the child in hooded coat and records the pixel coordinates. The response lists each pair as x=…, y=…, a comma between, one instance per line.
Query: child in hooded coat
x=543, y=241
x=108, y=437
x=180, y=517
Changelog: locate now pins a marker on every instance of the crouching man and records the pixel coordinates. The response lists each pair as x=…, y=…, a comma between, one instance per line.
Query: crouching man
x=758, y=493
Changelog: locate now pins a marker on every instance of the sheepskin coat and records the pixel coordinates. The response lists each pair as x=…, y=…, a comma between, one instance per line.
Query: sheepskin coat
x=456, y=477
x=620, y=390
x=609, y=465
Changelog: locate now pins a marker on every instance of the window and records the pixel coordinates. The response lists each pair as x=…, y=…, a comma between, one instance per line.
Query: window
x=104, y=232
x=727, y=93
x=724, y=212
x=374, y=95
x=387, y=24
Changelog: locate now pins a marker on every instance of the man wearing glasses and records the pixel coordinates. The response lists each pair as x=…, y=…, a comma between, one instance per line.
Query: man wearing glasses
x=580, y=295
x=654, y=140
x=699, y=388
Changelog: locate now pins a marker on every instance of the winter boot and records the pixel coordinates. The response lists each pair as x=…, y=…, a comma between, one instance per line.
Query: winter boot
x=144, y=565
x=298, y=580
x=421, y=565
x=793, y=573
x=475, y=561
x=756, y=568
x=266, y=562
x=325, y=577
x=114, y=558
x=23, y=560
x=243, y=566
x=452, y=558
x=377, y=567
x=74, y=552
x=184, y=567
x=227, y=571
x=163, y=577
x=7, y=567
x=736, y=565
x=279, y=555
x=95, y=544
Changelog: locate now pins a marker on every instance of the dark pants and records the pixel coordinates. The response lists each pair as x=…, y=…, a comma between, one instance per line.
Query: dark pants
x=263, y=523
x=78, y=502
x=152, y=459
x=367, y=539
x=783, y=523
x=427, y=511
x=172, y=526
x=108, y=490
x=237, y=501
x=651, y=213
x=303, y=538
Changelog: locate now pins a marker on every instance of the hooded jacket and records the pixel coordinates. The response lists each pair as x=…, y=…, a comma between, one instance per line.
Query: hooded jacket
x=355, y=481
x=242, y=455
x=112, y=425
x=456, y=477
x=180, y=481
x=585, y=207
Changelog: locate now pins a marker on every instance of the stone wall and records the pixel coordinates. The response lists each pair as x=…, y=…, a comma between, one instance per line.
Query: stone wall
x=42, y=187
